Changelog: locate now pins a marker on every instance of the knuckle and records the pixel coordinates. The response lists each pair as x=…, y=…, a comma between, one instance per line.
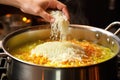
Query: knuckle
x=36, y=10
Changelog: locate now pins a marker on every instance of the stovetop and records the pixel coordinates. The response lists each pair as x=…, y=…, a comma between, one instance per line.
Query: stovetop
x=3, y=68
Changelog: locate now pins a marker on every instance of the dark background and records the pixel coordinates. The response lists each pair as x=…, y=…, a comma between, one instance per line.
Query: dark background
x=89, y=12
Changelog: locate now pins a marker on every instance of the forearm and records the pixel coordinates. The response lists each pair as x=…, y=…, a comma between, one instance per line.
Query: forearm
x=14, y=3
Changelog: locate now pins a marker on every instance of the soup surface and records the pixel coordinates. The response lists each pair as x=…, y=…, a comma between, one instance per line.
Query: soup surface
x=92, y=54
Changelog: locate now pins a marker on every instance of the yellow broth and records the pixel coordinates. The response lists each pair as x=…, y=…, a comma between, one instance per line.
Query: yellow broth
x=94, y=53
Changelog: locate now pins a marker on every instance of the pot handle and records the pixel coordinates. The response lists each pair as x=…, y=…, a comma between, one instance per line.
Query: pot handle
x=112, y=25
x=2, y=53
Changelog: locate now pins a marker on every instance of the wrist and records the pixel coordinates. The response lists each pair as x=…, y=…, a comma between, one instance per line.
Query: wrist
x=14, y=3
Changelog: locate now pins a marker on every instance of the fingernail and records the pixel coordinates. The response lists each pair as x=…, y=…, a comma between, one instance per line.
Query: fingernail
x=52, y=20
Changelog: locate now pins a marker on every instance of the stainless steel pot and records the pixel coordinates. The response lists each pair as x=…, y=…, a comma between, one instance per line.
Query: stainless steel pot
x=21, y=70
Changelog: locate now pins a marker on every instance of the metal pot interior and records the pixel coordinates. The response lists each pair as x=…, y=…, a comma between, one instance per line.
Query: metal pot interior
x=81, y=32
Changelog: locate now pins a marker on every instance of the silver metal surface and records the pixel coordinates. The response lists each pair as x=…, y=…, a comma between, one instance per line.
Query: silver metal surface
x=21, y=70
x=112, y=25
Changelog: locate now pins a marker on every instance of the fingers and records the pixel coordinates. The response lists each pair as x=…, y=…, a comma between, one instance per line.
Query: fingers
x=46, y=16
x=39, y=8
x=64, y=9
x=38, y=11
x=55, y=5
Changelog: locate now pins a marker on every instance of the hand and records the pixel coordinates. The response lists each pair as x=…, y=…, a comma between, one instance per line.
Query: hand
x=39, y=7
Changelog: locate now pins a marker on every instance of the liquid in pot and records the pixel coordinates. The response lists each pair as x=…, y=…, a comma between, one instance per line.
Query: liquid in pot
x=94, y=54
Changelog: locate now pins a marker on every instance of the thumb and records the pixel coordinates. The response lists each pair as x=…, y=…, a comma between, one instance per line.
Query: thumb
x=45, y=15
